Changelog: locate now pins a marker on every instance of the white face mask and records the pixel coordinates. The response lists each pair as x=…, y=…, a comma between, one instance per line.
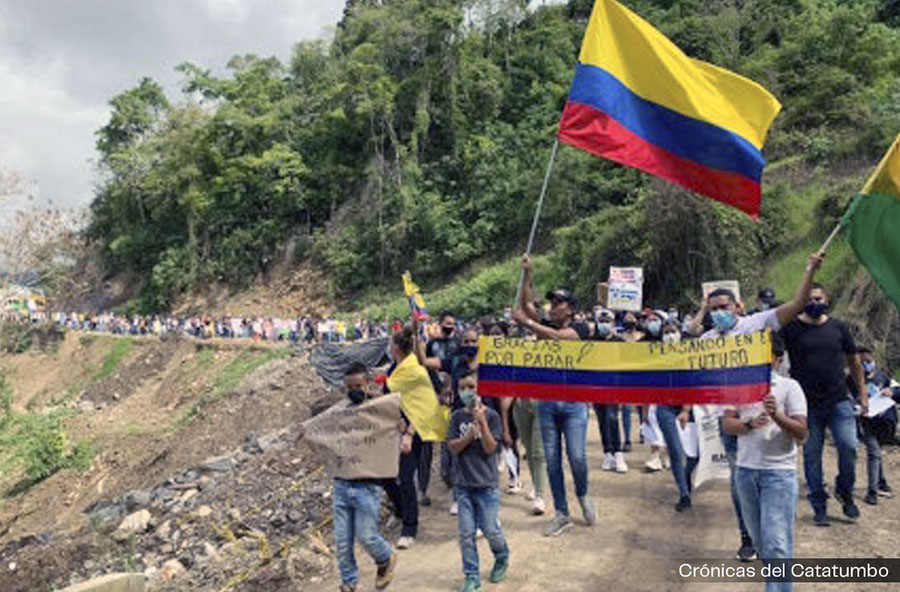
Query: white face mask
x=671, y=337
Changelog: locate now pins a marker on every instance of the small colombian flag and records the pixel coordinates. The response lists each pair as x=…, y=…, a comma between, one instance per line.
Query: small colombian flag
x=416, y=301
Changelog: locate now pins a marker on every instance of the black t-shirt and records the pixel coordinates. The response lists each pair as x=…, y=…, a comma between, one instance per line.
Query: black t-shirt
x=818, y=355
x=442, y=348
x=584, y=332
x=473, y=467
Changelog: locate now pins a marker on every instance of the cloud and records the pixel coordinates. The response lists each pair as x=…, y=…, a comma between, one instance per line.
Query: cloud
x=61, y=62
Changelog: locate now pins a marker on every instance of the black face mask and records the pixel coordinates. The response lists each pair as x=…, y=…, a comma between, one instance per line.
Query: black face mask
x=629, y=325
x=816, y=309
x=356, y=396
x=468, y=351
x=448, y=331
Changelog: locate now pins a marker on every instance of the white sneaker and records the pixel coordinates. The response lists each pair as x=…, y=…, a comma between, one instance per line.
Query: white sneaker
x=621, y=467
x=654, y=464
x=514, y=488
x=609, y=462
x=530, y=495
x=479, y=534
x=405, y=542
x=454, y=509
x=537, y=507
x=665, y=460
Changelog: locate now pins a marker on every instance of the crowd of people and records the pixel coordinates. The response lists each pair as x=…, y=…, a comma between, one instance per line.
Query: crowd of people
x=297, y=329
x=820, y=379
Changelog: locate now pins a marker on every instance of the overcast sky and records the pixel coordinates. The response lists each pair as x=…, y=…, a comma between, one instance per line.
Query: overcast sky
x=62, y=60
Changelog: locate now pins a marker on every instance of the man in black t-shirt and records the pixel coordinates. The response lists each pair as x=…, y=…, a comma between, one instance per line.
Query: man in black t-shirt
x=559, y=419
x=820, y=348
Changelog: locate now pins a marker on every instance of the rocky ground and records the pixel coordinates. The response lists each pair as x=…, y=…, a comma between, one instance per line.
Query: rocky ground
x=228, y=499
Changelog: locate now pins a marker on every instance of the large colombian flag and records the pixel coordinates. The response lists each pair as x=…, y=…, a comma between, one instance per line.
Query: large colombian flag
x=733, y=370
x=872, y=224
x=640, y=101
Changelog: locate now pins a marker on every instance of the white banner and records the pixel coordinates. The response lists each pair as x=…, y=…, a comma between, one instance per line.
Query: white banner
x=713, y=464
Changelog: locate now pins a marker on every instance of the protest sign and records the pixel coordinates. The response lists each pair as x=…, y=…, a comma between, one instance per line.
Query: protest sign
x=878, y=403
x=625, y=290
x=734, y=370
x=713, y=463
x=362, y=440
x=732, y=285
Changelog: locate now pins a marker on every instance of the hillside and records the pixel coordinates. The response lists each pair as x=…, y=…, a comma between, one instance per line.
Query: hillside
x=203, y=436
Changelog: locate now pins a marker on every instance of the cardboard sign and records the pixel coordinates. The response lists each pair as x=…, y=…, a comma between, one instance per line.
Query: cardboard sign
x=362, y=440
x=603, y=294
x=732, y=285
x=626, y=289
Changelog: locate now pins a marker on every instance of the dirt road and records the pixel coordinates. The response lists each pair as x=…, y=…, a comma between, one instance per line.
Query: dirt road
x=637, y=541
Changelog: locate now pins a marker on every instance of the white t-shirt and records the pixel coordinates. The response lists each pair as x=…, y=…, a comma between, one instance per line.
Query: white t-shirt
x=767, y=319
x=770, y=447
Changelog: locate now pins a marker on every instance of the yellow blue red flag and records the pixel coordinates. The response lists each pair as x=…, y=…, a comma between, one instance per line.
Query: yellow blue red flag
x=638, y=100
x=727, y=370
x=416, y=301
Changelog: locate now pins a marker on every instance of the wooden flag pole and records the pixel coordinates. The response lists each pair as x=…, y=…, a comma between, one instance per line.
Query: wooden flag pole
x=831, y=237
x=537, y=217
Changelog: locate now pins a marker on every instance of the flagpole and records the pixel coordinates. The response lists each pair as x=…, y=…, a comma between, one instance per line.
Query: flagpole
x=537, y=217
x=831, y=237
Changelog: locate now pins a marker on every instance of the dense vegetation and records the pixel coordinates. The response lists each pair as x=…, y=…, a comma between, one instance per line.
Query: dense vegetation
x=417, y=139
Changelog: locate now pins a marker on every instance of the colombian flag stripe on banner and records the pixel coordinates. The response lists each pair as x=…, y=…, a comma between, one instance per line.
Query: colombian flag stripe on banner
x=640, y=101
x=735, y=370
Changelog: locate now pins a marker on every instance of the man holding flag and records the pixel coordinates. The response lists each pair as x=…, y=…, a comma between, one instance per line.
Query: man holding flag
x=559, y=419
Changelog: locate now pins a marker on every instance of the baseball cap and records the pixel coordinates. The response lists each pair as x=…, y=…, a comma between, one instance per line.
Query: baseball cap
x=562, y=295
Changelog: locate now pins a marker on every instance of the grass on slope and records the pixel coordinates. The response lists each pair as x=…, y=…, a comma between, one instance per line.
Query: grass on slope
x=230, y=377
x=485, y=291
x=120, y=349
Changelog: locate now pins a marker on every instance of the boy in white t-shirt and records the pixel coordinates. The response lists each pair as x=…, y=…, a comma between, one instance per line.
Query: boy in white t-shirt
x=766, y=469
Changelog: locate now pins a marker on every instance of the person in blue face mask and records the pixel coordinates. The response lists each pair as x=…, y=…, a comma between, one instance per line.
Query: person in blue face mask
x=725, y=313
x=877, y=429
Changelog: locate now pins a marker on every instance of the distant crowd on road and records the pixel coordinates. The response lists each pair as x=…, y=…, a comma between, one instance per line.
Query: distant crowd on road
x=294, y=330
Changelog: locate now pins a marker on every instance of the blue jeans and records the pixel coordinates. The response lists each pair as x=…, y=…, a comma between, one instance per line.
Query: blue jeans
x=626, y=424
x=478, y=508
x=682, y=466
x=356, y=505
x=560, y=419
x=608, y=421
x=769, y=503
x=874, y=466
x=729, y=443
x=840, y=419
